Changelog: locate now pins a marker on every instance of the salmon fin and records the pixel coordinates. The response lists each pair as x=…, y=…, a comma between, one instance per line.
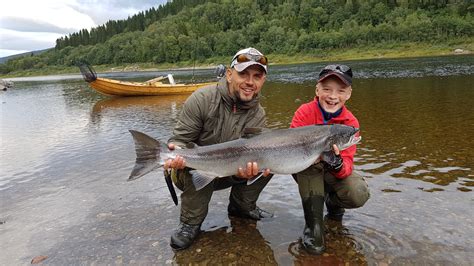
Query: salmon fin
x=202, y=178
x=251, y=181
x=250, y=132
x=191, y=145
x=148, y=152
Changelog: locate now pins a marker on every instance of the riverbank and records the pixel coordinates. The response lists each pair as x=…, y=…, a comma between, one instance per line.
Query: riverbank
x=385, y=50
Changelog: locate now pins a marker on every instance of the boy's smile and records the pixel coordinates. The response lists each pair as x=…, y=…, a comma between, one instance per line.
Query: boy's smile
x=332, y=94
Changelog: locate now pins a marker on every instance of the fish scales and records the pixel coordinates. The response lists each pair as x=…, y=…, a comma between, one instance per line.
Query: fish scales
x=283, y=151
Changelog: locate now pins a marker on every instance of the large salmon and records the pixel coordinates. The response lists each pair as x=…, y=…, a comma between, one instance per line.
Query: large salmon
x=283, y=151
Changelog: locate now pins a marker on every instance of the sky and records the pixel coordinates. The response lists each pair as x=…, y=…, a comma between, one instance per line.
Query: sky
x=30, y=25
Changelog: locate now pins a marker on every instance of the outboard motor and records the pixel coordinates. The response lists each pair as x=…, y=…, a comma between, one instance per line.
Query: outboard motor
x=220, y=71
x=88, y=73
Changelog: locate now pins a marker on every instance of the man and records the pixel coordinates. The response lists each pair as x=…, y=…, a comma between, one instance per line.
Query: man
x=331, y=181
x=212, y=115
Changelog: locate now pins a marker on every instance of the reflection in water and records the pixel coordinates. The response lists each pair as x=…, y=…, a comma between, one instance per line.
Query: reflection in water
x=419, y=128
x=240, y=244
x=423, y=120
x=144, y=104
x=341, y=248
x=66, y=154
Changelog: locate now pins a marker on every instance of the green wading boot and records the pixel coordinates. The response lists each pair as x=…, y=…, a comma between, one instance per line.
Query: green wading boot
x=335, y=212
x=184, y=236
x=255, y=214
x=313, y=234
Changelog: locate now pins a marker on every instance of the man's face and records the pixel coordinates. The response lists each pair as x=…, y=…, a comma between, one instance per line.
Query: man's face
x=247, y=84
x=333, y=94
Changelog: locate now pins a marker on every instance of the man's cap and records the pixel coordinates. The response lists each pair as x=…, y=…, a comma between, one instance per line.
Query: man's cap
x=343, y=72
x=248, y=57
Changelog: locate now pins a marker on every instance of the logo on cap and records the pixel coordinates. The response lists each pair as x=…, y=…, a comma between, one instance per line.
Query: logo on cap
x=343, y=72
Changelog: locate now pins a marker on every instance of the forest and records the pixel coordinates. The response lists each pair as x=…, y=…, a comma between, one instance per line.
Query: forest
x=195, y=30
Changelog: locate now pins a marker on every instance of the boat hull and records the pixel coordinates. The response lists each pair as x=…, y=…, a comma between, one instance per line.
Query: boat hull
x=125, y=88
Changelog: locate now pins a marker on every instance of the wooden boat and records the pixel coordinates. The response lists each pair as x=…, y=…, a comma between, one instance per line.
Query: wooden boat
x=153, y=87
x=127, y=88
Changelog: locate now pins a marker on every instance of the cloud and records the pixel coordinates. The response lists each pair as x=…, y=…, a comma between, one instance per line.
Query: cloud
x=34, y=25
x=15, y=40
x=42, y=15
x=4, y=52
x=31, y=25
x=102, y=11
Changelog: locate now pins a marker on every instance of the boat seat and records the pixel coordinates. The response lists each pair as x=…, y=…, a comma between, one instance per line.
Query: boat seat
x=171, y=79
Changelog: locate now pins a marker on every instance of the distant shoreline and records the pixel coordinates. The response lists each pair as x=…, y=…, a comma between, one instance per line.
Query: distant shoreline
x=407, y=50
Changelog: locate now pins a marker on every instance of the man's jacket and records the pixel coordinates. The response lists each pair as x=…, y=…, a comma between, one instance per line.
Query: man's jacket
x=210, y=116
x=310, y=114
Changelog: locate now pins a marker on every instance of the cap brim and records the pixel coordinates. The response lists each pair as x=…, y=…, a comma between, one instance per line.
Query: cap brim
x=242, y=66
x=346, y=79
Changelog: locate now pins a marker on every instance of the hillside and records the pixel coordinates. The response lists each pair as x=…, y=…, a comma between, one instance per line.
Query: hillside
x=188, y=31
x=6, y=58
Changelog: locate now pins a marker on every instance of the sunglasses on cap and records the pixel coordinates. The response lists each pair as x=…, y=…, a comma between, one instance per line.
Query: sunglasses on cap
x=343, y=69
x=242, y=58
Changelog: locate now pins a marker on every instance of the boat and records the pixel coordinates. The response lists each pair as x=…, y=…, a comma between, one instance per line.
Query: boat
x=153, y=87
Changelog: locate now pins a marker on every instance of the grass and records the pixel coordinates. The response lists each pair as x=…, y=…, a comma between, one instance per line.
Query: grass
x=378, y=51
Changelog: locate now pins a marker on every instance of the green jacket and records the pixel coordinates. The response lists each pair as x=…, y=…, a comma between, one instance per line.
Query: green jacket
x=210, y=116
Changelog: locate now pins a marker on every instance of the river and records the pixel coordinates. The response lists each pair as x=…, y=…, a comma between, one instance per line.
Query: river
x=66, y=154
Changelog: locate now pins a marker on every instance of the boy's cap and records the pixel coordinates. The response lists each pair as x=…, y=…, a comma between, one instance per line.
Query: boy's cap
x=343, y=72
x=248, y=57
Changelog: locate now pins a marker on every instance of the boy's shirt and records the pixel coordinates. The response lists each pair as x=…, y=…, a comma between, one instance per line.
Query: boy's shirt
x=310, y=114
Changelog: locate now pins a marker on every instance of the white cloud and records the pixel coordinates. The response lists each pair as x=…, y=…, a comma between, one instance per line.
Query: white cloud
x=103, y=10
x=55, y=12
x=30, y=25
x=29, y=41
x=6, y=52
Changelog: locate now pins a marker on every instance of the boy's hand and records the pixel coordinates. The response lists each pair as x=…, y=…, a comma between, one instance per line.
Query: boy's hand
x=336, y=150
x=333, y=161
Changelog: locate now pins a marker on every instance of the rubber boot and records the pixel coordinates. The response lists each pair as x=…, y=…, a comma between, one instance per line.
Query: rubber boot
x=255, y=214
x=184, y=236
x=313, y=234
x=335, y=212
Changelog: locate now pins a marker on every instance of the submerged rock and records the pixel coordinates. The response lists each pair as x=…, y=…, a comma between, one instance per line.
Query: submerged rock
x=38, y=259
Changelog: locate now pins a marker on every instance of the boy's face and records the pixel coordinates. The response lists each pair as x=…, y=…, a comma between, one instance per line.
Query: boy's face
x=333, y=94
x=245, y=85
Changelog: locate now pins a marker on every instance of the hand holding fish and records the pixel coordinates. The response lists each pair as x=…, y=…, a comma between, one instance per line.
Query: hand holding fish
x=332, y=160
x=177, y=163
x=251, y=171
x=336, y=149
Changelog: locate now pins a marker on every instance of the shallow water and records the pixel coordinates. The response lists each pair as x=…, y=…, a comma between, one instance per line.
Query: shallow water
x=66, y=154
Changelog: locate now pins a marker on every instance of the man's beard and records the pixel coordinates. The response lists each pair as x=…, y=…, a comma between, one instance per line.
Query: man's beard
x=237, y=96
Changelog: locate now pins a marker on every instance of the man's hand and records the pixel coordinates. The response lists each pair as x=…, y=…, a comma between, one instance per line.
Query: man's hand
x=177, y=163
x=251, y=171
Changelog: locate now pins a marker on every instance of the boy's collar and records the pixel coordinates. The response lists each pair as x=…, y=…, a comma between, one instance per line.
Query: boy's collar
x=327, y=115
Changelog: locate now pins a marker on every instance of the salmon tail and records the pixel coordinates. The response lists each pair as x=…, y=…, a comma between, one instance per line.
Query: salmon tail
x=149, y=152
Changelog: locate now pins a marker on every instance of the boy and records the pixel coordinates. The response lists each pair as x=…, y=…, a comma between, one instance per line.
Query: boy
x=331, y=181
